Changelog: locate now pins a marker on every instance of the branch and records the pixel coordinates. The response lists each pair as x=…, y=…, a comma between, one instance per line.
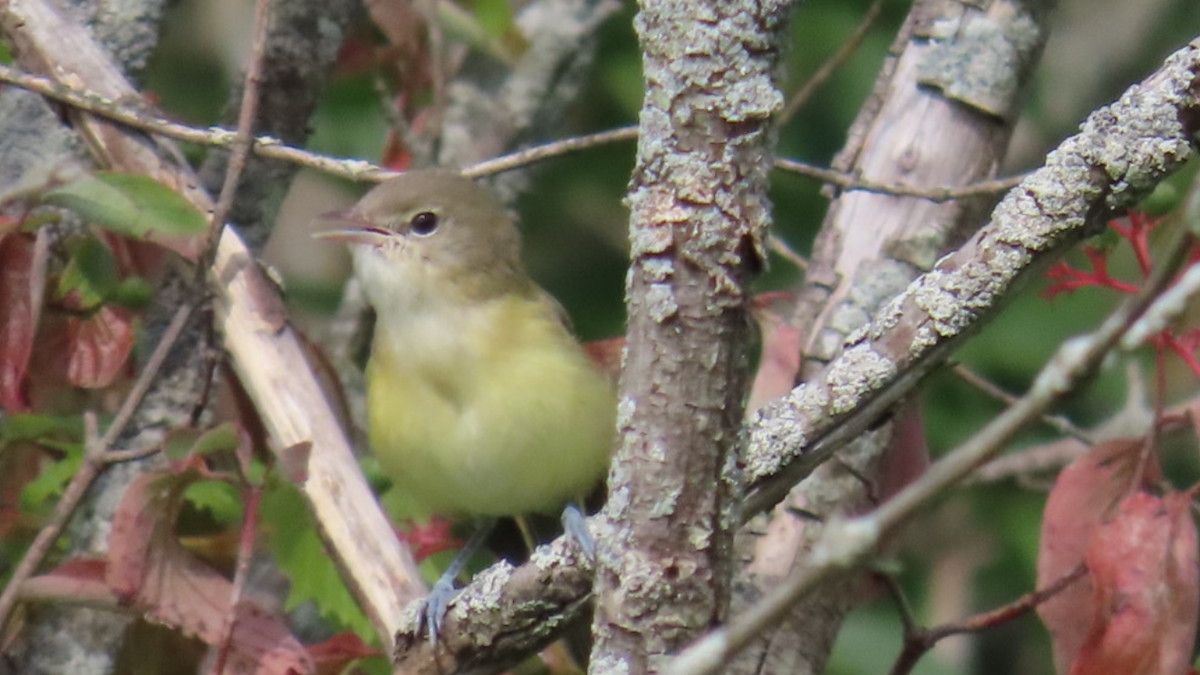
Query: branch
x=848, y=542
x=1155, y=144
x=699, y=216
x=1121, y=152
x=872, y=245
x=293, y=60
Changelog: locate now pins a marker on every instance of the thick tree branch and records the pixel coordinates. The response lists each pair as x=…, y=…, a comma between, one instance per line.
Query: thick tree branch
x=1160, y=115
x=1121, y=152
x=699, y=215
x=848, y=542
x=870, y=247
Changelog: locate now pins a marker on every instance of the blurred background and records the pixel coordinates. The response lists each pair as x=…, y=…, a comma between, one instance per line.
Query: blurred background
x=978, y=548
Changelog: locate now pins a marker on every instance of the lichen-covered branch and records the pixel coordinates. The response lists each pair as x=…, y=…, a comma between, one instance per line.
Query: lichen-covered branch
x=1121, y=152
x=1164, y=111
x=848, y=542
x=870, y=247
x=698, y=224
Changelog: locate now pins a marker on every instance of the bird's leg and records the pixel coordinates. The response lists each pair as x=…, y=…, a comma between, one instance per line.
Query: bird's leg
x=443, y=590
x=527, y=533
x=575, y=526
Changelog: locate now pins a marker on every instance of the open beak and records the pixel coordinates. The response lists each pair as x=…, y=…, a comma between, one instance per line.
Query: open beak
x=349, y=227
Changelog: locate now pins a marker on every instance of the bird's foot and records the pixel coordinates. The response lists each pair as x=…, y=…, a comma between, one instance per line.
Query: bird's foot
x=436, y=606
x=575, y=526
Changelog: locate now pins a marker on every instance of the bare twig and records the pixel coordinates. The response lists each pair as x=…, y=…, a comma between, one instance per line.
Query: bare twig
x=252, y=503
x=827, y=69
x=144, y=119
x=786, y=252
x=243, y=139
x=555, y=149
x=1057, y=422
x=242, y=144
x=939, y=194
x=918, y=641
x=358, y=170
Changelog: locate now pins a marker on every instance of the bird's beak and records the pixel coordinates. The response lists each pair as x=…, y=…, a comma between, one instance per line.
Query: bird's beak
x=349, y=227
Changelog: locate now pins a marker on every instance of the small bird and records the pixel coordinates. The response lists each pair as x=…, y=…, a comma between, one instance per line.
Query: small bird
x=481, y=403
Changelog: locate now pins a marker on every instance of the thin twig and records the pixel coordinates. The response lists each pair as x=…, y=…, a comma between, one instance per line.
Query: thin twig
x=918, y=641
x=243, y=140
x=149, y=121
x=252, y=499
x=827, y=69
x=786, y=252
x=154, y=364
x=936, y=194
x=358, y=170
x=1057, y=422
x=846, y=544
x=95, y=458
x=528, y=156
x=238, y=156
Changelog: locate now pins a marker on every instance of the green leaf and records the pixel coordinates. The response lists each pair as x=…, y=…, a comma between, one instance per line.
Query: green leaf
x=292, y=538
x=495, y=17
x=223, y=438
x=39, y=493
x=129, y=204
x=219, y=498
x=464, y=26
x=41, y=429
x=91, y=272
x=133, y=293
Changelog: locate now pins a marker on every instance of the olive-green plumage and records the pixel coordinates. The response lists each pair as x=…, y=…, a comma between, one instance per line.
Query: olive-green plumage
x=480, y=401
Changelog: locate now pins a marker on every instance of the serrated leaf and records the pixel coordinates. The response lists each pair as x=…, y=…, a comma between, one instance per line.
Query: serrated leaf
x=129, y=204
x=98, y=346
x=220, y=499
x=17, y=312
x=40, y=492
x=293, y=541
x=150, y=572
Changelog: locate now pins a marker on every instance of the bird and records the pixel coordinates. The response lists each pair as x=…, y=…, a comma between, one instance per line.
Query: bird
x=481, y=403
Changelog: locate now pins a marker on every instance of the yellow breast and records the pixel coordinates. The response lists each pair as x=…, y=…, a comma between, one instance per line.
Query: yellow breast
x=492, y=409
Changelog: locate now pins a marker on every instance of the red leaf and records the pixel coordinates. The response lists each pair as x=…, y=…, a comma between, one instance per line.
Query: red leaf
x=428, y=539
x=153, y=573
x=18, y=308
x=98, y=346
x=333, y=655
x=1085, y=495
x=780, y=359
x=1144, y=567
x=907, y=454
x=606, y=354
x=74, y=580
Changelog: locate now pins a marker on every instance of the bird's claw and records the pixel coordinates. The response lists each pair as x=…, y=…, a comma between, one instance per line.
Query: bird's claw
x=575, y=526
x=436, y=605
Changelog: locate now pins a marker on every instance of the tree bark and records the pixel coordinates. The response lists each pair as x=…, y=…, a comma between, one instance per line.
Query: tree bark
x=698, y=222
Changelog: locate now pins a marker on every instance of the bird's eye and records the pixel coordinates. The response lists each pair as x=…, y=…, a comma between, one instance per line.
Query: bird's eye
x=424, y=223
